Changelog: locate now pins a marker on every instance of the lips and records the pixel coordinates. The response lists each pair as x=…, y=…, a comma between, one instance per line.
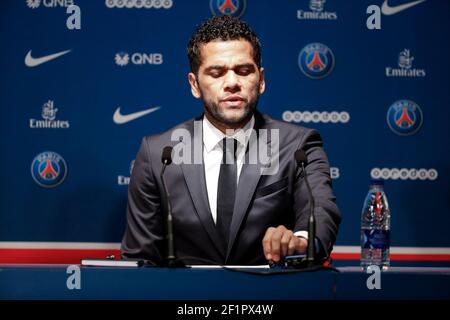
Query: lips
x=233, y=98
x=233, y=101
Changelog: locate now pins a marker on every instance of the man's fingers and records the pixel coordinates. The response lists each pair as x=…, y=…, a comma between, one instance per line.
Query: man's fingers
x=267, y=243
x=293, y=245
x=285, y=241
x=275, y=243
x=279, y=242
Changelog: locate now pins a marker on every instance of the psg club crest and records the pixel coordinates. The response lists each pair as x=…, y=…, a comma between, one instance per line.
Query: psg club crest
x=49, y=169
x=227, y=7
x=404, y=117
x=316, y=60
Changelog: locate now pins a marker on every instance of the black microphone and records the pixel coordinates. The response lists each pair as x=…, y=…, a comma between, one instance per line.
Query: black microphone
x=300, y=157
x=166, y=159
x=166, y=156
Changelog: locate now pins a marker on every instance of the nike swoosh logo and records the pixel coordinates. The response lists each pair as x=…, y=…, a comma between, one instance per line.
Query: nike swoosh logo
x=33, y=62
x=121, y=119
x=388, y=10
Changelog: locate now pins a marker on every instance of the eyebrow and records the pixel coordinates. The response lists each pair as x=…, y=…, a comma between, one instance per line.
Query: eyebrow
x=220, y=67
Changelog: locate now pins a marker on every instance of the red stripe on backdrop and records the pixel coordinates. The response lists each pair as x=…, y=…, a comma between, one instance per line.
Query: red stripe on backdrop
x=396, y=257
x=73, y=256
x=421, y=257
x=53, y=256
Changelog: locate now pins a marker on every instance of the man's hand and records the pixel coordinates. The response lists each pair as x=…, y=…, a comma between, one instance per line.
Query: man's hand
x=279, y=242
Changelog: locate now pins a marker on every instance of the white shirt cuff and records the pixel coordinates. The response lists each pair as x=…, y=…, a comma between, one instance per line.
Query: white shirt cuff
x=302, y=234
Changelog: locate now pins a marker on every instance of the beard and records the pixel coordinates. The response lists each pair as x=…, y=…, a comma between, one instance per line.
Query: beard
x=237, y=118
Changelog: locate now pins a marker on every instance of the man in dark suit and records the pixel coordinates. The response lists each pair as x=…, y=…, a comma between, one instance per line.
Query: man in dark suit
x=238, y=195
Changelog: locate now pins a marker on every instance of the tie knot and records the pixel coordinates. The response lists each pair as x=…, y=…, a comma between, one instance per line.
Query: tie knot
x=229, y=147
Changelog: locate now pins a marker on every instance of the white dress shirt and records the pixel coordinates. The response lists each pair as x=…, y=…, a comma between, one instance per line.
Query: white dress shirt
x=213, y=153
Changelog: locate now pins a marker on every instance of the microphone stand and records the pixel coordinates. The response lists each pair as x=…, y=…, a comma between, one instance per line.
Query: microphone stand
x=171, y=259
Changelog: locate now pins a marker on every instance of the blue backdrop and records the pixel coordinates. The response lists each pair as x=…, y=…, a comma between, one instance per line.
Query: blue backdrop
x=381, y=104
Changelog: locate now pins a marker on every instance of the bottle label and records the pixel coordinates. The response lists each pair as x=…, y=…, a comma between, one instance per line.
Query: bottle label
x=375, y=239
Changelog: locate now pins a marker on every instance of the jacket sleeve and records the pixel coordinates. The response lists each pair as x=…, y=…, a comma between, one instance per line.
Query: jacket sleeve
x=144, y=234
x=326, y=212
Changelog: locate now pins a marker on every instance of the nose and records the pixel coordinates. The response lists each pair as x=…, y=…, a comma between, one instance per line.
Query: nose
x=231, y=82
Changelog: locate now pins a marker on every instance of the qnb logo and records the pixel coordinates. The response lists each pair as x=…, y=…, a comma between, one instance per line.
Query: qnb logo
x=49, y=118
x=123, y=59
x=139, y=4
x=373, y=22
x=48, y=169
x=227, y=7
x=317, y=12
x=335, y=173
x=404, y=117
x=405, y=60
x=316, y=116
x=316, y=60
x=403, y=174
x=34, y=4
x=125, y=180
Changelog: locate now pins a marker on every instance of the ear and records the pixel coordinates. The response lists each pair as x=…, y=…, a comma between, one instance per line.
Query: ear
x=262, y=83
x=195, y=90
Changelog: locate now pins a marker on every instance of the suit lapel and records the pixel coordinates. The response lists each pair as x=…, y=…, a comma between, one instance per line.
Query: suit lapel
x=194, y=175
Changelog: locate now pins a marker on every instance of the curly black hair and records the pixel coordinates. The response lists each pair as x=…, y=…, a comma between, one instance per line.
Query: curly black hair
x=224, y=27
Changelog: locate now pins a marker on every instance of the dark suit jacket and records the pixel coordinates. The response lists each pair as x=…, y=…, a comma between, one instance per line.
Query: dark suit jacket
x=262, y=201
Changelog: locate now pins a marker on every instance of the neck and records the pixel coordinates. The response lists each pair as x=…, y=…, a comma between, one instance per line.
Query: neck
x=223, y=127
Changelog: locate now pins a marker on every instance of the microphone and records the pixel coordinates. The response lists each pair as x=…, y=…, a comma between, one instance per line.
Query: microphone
x=166, y=156
x=166, y=159
x=300, y=158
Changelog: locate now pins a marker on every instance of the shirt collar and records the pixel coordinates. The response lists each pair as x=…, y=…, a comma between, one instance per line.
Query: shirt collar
x=212, y=136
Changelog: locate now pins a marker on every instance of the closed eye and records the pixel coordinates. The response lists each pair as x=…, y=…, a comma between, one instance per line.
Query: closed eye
x=219, y=71
x=215, y=72
x=244, y=70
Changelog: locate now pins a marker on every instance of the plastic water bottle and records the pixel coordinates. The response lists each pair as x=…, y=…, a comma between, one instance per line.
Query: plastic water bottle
x=375, y=227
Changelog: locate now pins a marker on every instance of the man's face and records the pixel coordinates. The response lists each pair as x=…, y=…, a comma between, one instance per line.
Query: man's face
x=228, y=81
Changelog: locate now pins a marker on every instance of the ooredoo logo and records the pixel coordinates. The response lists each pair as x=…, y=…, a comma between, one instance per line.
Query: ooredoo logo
x=139, y=4
x=404, y=174
x=316, y=116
